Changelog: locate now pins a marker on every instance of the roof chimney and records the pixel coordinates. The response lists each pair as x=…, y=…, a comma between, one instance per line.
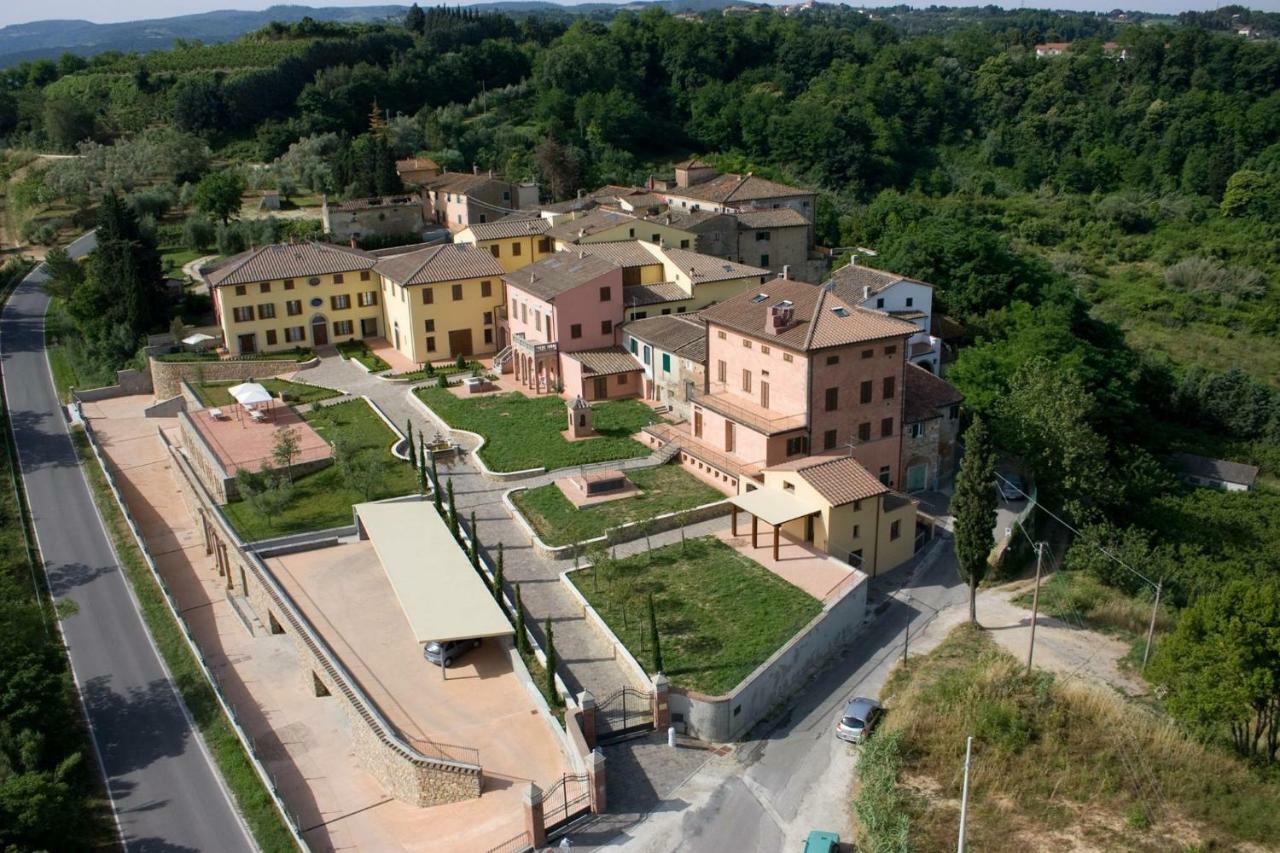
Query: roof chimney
x=786, y=271
x=866, y=291
x=491, y=173
x=353, y=243
x=475, y=168
x=781, y=317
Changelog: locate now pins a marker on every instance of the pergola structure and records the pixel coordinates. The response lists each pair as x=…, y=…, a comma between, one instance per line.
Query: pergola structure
x=773, y=506
x=536, y=365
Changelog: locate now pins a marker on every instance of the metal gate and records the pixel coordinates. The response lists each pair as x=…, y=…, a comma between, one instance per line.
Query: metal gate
x=566, y=800
x=624, y=712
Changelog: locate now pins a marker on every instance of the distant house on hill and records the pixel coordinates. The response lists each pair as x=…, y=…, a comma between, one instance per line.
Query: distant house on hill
x=1215, y=473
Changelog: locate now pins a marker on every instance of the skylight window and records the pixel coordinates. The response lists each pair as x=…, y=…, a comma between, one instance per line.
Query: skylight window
x=759, y=297
x=840, y=311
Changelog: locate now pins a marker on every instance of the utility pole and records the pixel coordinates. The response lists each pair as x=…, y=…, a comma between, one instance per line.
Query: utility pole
x=1035, y=604
x=1151, y=629
x=964, y=794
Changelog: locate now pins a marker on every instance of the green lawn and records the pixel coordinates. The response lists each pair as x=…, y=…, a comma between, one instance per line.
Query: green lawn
x=324, y=499
x=173, y=258
x=438, y=370
x=667, y=488
x=719, y=614
x=524, y=432
x=360, y=351
x=218, y=393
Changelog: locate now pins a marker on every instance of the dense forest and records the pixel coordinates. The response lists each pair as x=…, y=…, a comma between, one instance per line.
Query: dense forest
x=1103, y=225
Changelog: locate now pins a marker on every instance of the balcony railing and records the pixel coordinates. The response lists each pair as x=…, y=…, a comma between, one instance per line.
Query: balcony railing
x=529, y=347
x=742, y=411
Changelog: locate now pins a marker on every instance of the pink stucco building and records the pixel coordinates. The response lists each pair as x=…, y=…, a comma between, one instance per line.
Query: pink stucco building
x=562, y=319
x=793, y=370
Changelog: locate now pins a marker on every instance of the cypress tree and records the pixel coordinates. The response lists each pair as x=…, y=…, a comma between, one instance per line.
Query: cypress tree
x=653, y=637
x=497, y=577
x=453, y=512
x=551, y=661
x=413, y=458
x=974, y=508
x=522, y=639
x=475, y=544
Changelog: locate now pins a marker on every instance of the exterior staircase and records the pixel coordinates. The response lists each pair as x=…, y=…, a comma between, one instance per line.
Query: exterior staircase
x=667, y=452
x=502, y=358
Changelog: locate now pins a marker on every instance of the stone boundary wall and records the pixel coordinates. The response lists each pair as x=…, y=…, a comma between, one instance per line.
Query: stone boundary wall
x=205, y=462
x=719, y=719
x=403, y=771
x=628, y=532
x=128, y=383
x=167, y=375
x=167, y=408
x=620, y=651
x=727, y=717
x=228, y=711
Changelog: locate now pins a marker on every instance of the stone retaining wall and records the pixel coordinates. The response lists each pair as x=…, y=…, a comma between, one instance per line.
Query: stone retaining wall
x=727, y=717
x=167, y=375
x=628, y=532
x=128, y=383
x=403, y=771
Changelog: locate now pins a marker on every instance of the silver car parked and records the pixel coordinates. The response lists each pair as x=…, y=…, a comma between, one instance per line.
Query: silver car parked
x=452, y=649
x=859, y=718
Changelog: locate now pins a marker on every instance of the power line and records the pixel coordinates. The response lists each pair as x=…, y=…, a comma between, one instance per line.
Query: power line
x=1042, y=508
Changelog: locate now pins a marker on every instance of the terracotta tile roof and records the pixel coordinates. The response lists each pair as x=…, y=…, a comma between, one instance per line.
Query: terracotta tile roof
x=777, y=217
x=600, y=219
x=624, y=253
x=510, y=226
x=415, y=164
x=925, y=395
x=570, y=205
x=730, y=189
x=854, y=282
x=703, y=268
x=821, y=319
x=462, y=183
x=693, y=163
x=447, y=262
x=669, y=332
x=561, y=272
x=377, y=201
x=289, y=260
x=653, y=294
x=605, y=361
x=839, y=479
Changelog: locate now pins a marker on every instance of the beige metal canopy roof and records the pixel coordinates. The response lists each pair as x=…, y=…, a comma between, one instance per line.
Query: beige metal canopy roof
x=774, y=506
x=440, y=593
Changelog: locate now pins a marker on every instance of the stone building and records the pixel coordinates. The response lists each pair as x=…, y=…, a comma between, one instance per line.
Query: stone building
x=385, y=216
x=930, y=429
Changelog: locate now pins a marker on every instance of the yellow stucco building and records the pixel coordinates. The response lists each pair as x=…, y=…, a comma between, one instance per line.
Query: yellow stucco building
x=840, y=508
x=515, y=241
x=442, y=301
x=291, y=295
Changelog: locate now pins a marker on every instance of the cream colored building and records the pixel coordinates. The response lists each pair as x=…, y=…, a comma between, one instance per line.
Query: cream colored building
x=291, y=295
x=442, y=302
x=841, y=508
x=607, y=225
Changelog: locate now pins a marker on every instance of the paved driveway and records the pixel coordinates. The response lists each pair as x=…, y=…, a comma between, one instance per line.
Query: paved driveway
x=163, y=787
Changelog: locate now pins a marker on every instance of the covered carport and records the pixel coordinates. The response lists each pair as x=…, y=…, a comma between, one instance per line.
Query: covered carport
x=774, y=507
x=442, y=596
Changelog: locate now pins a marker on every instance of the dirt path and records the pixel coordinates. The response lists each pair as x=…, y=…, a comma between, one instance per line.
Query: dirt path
x=1061, y=648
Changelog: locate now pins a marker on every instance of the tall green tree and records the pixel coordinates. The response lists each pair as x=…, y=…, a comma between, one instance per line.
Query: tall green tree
x=654, y=641
x=551, y=658
x=65, y=274
x=974, y=508
x=218, y=194
x=1221, y=667
x=522, y=636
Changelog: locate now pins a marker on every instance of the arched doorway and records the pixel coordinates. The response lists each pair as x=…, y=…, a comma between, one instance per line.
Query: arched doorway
x=319, y=330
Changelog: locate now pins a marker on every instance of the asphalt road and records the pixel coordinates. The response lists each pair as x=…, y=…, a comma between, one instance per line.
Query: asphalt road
x=791, y=775
x=164, y=790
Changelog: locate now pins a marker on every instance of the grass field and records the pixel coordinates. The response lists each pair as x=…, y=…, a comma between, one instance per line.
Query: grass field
x=524, y=432
x=666, y=488
x=1054, y=763
x=323, y=499
x=268, y=828
x=219, y=394
x=719, y=614
x=360, y=351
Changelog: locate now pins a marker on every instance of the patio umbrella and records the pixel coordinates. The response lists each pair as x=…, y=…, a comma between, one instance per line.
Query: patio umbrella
x=250, y=394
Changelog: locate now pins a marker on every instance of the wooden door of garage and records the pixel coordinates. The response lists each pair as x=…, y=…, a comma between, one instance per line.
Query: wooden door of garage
x=460, y=342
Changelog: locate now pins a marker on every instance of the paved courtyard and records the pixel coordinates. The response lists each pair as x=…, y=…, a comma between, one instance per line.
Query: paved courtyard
x=240, y=442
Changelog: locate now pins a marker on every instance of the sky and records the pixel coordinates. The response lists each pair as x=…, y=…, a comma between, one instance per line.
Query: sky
x=21, y=11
